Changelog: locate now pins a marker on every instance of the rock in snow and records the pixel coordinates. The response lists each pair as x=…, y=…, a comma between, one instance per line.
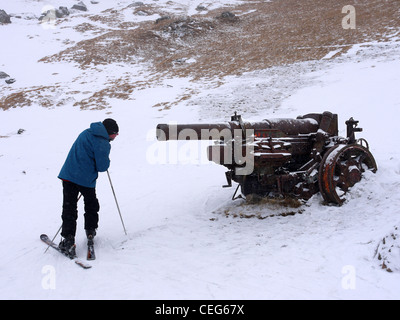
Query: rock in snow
x=7, y=78
x=80, y=6
x=3, y=75
x=62, y=12
x=4, y=17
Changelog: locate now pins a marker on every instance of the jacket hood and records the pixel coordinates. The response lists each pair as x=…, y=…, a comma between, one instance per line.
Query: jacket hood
x=98, y=129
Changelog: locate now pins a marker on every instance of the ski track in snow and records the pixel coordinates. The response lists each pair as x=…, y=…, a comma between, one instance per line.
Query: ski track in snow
x=186, y=239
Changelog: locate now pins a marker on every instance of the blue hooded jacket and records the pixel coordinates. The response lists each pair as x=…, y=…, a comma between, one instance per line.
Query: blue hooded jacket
x=88, y=156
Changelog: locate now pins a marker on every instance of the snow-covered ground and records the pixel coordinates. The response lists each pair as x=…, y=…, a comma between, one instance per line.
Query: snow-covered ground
x=186, y=238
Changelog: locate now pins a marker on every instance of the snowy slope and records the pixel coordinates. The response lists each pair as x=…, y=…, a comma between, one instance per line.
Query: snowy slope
x=186, y=238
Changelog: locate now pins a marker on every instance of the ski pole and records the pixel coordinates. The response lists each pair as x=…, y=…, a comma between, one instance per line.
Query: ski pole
x=119, y=211
x=53, y=238
x=59, y=228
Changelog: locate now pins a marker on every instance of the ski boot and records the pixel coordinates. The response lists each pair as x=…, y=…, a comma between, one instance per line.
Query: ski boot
x=90, y=243
x=90, y=233
x=68, y=247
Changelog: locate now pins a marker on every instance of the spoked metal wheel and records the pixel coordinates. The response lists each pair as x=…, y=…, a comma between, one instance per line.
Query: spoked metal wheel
x=341, y=168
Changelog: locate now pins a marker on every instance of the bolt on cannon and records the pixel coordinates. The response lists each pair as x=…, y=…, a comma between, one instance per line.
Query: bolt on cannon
x=290, y=157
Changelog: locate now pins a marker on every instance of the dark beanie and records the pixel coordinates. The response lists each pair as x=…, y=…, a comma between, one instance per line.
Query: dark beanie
x=111, y=126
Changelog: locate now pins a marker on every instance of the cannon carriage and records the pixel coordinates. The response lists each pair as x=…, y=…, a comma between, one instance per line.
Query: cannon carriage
x=290, y=157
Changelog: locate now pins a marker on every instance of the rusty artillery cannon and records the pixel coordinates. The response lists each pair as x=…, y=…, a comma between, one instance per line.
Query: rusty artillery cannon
x=289, y=157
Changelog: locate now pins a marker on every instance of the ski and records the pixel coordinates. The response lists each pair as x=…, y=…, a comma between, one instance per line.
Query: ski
x=50, y=243
x=90, y=249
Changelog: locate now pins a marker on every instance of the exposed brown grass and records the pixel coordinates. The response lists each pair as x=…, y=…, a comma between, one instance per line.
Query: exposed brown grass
x=44, y=96
x=25, y=98
x=15, y=99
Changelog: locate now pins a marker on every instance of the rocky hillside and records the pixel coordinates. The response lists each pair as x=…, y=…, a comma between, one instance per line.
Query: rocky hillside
x=210, y=43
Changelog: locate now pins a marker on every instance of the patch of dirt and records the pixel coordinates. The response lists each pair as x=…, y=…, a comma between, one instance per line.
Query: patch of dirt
x=98, y=99
x=44, y=96
x=261, y=208
x=87, y=27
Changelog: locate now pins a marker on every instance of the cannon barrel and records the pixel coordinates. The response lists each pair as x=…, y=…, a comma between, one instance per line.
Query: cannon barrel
x=192, y=131
x=265, y=128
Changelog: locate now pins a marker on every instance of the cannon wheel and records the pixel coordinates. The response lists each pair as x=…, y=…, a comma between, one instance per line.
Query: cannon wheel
x=341, y=168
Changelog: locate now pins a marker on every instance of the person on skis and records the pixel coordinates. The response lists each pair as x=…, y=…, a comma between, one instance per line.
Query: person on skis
x=88, y=156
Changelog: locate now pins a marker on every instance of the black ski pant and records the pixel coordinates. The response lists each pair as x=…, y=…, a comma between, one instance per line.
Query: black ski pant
x=70, y=208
